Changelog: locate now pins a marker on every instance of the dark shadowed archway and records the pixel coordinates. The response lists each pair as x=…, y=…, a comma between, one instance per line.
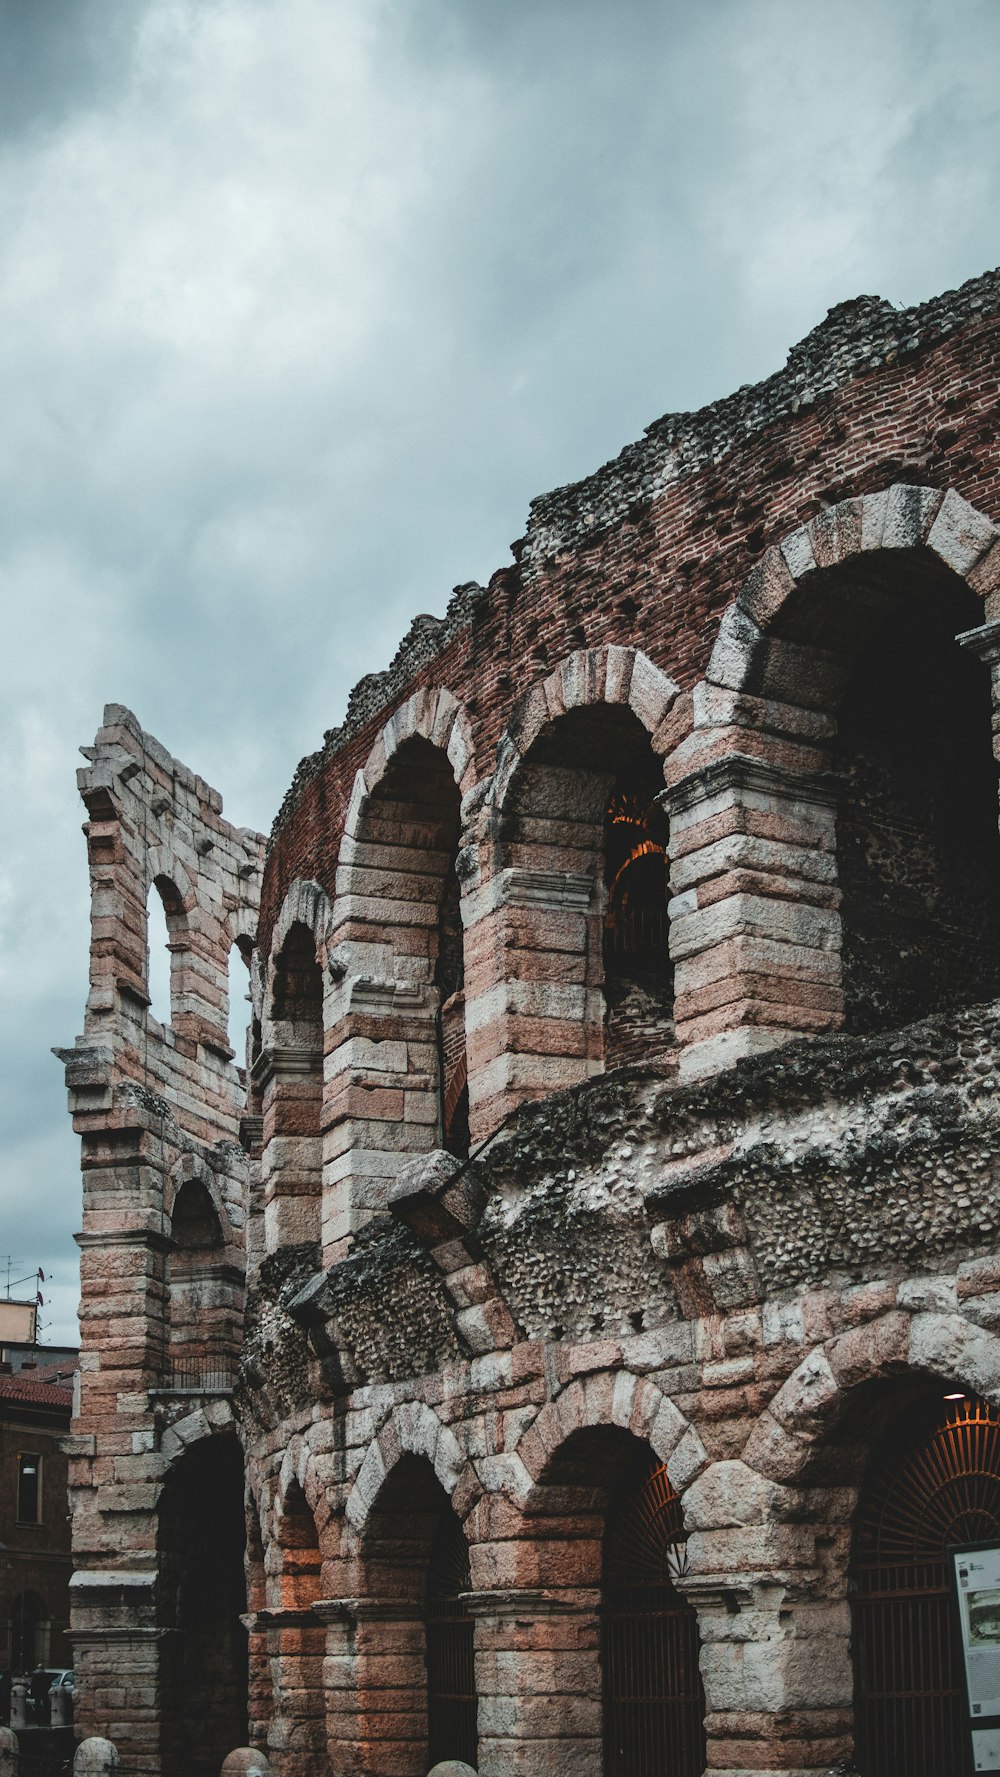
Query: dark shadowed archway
x=201, y=1538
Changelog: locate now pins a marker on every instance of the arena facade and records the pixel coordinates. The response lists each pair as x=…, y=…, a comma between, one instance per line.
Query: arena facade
x=571, y=1344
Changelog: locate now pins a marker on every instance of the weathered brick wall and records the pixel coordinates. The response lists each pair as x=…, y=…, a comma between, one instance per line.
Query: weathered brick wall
x=650, y=550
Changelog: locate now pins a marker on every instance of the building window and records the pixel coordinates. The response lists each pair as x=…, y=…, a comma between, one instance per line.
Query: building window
x=29, y=1489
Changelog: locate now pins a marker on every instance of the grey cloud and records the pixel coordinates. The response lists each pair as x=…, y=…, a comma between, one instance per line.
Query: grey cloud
x=300, y=304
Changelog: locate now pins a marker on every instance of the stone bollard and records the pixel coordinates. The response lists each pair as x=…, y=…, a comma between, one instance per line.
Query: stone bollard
x=245, y=1762
x=60, y=1707
x=8, y=1753
x=19, y=1703
x=452, y=1767
x=96, y=1758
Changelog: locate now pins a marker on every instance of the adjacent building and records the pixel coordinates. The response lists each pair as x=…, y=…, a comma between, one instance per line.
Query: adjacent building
x=35, y=1558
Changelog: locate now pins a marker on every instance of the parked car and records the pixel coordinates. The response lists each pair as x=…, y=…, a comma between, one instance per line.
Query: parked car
x=44, y=1679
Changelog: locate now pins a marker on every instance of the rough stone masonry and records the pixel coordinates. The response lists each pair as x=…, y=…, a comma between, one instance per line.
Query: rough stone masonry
x=534, y=1356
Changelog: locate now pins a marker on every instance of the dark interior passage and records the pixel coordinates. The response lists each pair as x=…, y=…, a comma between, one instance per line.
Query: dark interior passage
x=202, y=1536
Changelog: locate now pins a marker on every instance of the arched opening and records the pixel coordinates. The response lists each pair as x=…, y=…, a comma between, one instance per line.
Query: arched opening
x=201, y=1543
x=934, y=1482
x=292, y=1164
x=451, y=1670
x=918, y=849
x=606, y=1524
x=654, y=1704
x=871, y=644
x=163, y=913
x=240, y=1010
x=416, y=1566
x=301, y=1563
x=29, y=1633
x=449, y=978
x=398, y=1062
x=203, y=1292
x=586, y=835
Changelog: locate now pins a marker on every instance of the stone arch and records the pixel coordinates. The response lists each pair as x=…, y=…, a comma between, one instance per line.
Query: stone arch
x=838, y=736
x=900, y=517
x=305, y=904
x=202, y=1590
x=189, y=1167
x=162, y=865
x=623, y=677
x=608, y=1398
x=575, y=911
x=412, y=1429
x=204, y=1278
x=288, y=1070
x=579, y=1470
x=784, y=1442
x=196, y=1425
x=240, y=934
x=434, y=715
x=397, y=963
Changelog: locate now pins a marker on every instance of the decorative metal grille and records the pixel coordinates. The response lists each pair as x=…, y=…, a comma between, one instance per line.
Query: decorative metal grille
x=654, y=1706
x=909, y=1689
x=451, y=1676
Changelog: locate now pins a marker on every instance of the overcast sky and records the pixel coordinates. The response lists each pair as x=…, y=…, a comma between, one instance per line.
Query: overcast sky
x=302, y=300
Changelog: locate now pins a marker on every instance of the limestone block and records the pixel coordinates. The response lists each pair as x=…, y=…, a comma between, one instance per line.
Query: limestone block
x=96, y=1757
x=8, y=1752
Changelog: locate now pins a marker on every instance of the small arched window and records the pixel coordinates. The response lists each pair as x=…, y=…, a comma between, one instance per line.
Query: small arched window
x=240, y=1009
x=158, y=958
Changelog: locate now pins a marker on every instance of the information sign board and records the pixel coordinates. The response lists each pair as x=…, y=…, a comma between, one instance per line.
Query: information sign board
x=976, y=1581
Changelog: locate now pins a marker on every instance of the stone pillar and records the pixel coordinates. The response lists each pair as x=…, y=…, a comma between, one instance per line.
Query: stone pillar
x=8, y=1753
x=296, y=1644
x=118, y=1652
x=340, y=1684
x=534, y=1009
x=375, y=1675
x=380, y=1099
x=775, y=1654
x=290, y=1081
x=755, y=932
x=19, y=1704
x=985, y=642
x=538, y=1678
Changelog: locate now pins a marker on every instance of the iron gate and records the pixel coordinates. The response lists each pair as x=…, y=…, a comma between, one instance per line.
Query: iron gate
x=654, y=1706
x=910, y=1710
x=451, y=1676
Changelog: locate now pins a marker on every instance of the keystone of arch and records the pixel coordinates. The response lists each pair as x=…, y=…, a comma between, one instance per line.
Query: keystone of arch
x=806, y=1406
x=203, y=1422
x=619, y=676
x=299, y=1465
x=900, y=517
x=610, y=1398
x=411, y=1429
x=433, y=714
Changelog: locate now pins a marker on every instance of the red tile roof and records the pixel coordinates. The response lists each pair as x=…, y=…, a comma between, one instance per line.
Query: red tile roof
x=41, y=1394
